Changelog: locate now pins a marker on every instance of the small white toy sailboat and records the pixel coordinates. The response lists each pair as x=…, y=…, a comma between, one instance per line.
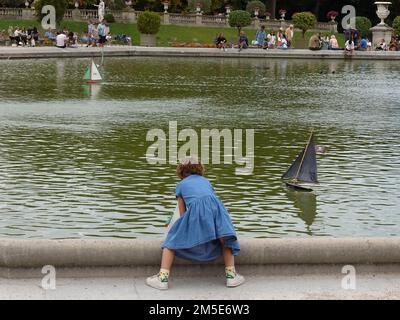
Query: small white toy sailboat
x=92, y=74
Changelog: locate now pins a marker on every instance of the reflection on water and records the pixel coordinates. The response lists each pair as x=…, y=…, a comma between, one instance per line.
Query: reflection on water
x=92, y=90
x=72, y=158
x=306, y=205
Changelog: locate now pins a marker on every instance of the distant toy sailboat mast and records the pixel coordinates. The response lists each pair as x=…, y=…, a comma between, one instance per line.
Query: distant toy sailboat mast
x=304, y=168
x=92, y=74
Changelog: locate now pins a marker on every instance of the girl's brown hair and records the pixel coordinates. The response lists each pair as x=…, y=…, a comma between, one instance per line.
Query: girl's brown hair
x=188, y=166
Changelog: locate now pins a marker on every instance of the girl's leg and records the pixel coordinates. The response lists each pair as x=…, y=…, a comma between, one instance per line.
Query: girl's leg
x=160, y=280
x=233, y=279
x=229, y=259
x=167, y=259
x=166, y=264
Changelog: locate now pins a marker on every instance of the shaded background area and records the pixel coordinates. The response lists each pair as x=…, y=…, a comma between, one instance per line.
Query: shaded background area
x=72, y=157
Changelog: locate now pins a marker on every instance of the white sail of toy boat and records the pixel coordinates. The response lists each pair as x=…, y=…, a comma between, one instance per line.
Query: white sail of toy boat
x=92, y=74
x=304, y=168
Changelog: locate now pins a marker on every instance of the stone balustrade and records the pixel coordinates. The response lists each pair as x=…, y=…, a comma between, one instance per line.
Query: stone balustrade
x=15, y=13
x=166, y=18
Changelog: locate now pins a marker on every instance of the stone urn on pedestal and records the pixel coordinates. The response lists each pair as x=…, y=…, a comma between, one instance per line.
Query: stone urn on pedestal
x=382, y=30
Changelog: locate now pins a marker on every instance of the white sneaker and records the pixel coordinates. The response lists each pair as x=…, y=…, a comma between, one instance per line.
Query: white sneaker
x=156, y=283
x=235, y=282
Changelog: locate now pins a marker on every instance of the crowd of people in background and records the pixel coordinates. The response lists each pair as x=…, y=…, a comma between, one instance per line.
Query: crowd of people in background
x=97, y=34
x=353, y=42
x=282, y=39
x=23, y=36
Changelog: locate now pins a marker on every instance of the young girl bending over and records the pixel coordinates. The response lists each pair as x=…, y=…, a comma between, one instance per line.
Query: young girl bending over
x=203, y=232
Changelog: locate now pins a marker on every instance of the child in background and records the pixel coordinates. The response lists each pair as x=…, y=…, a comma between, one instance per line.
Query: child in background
x=243, y=41
x=203, y=232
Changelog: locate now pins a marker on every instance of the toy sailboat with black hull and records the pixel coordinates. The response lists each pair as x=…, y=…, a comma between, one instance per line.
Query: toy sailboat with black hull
x=303, y=169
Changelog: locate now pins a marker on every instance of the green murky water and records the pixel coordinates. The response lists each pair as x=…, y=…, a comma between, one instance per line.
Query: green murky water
x=72, y=158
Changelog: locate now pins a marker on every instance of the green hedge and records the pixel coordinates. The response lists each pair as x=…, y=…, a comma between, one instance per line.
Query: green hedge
x=149, y=22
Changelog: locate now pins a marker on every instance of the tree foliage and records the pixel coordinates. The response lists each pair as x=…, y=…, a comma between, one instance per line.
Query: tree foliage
x=363, y=24
x=251, y=5
x=239, y=19
x=304, y=21
x=396, y=24
x=204, y=4
x=12, y=3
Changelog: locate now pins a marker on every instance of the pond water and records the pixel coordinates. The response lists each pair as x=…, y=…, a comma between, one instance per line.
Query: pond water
x=72, y=157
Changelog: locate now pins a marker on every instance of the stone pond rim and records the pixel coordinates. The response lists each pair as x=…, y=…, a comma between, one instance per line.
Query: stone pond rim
x=10, y=53
x=31, y=253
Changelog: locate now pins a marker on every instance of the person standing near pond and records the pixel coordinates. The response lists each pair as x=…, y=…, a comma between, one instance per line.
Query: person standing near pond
x=204, y=230
x=289, y=33
x=102, y=31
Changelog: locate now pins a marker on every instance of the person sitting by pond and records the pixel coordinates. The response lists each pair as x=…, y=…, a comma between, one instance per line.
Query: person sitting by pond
x=220, y=41
x=243, y=41
x=18, y=36
x=333, y=43
x=326, y=42
x=279, y=37
x=61, y=40
x=84, y=39
x=382, y=46
x=271, y=40
x=50, y=36
x=315, y=42
x=24, y=37
x=394, y=44
x=72, y=40
x=260, y=37
x=349, y=46
x=363, y=44
x=204, y=230
x=35, y=35
x=283, y=43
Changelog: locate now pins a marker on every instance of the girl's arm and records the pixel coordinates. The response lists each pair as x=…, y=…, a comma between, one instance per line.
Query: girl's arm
x=181, y=205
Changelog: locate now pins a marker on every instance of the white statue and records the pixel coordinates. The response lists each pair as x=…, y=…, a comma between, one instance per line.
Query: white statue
x=101, y=10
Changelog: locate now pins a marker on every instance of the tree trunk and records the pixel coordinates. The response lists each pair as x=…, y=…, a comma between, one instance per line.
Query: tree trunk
x=317, y=6
x=273, y=13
